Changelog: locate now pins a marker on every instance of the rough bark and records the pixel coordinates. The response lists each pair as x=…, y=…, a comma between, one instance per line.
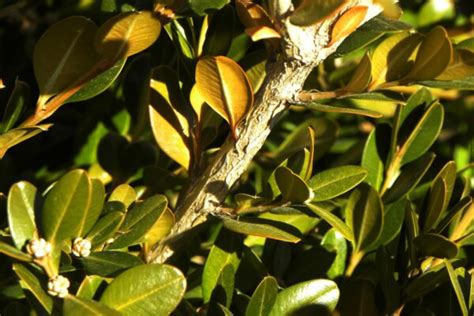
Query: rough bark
x=303, y=49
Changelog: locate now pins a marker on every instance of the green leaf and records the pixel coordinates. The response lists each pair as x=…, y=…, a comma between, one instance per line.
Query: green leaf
x=319, y=292
x=77, y=306
x=226, y=250
x=108, y=263
x=153, y=289
x=409, y=177
x=460, y=208
x=20, y=134
x=372, y=160
x=292, y=187
x=254, y=65
x=92, y=213
x=89, y=286
x=313, y=11
x=64, y=53
x=127, y=34
x=336, y=181
x=224, y=290
x=334, y=241
x=264, y=228
x=433, y=56
x=299, y=220
x=393, y=218
x=203, y=7
x=139, y=220
x=436, y=204
x=21, y=212
x=423, y=134
x=341, y=109
x=434, y=245
x=65, y=207
x=98, y=84
x=364, y=213
x=464, y=84
x=219, y=34
x=385, y=263
x=13, y=252
x=457, y=287
x=361, y=77
x=332, y=220
x=29, y=282
x=16, y=105
x=125, y=194
x=105, y=228
x=169, y=117
x=263, y=298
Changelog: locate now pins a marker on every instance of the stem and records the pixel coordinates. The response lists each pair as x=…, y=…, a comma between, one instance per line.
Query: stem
x=356, y=257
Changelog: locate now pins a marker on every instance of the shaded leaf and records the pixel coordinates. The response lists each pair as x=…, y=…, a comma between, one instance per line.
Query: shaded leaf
x=224, y=290
x=20, y=134
x=108, y=263
x=334, y=241
x=292, y=187
x=147, y=289
x=89, y=286
x=342, y=109
x=434, y=245
x=13, y=252
x=169, y=117
x=436, y=204
x=364, y=213
x=347, y=23
x=127, y=34
x=461, y=66
x=263, y=298
x=393, y=218
x=263, y=228
x=225, y=87
x=323, y=293
x=361, y=77
x=203, y=7
x=21, y=212
x=457, y=287
x=332, y=220
x=15, y=107
x=105, y=228
x=313, y=11
x=336, y=181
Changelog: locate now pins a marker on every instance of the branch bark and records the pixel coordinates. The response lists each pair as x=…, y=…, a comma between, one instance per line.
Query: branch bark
x=303, y=49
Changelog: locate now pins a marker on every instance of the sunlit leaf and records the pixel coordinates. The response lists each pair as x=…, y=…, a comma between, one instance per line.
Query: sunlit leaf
x=20, y=134
x=77, y=306
x=225, y=87
x=461, y=66
x=126, y=34
x=457, y=287
x=292, y=187
x=263, y=298
x=108, y=263
x=347, y=23
x=332, y=220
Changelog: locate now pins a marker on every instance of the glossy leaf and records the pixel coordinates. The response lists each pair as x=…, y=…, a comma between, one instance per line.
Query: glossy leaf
x=460, y=67
x=299, y=220
x=313, y=11
x=336, y=181
x=333, y=241
x=393, y=218
x=127, y=34
x=65, y=207
x=92, y=213
x=139, y=220
x=315, y=292
x=409, y=177
x=105, y=228
x=64, y=53
x=20, y=134
x=393, y=58
x=21, y=212
x=434, y=245
x=13, y=252
x=15, y=107
x=224, y=290
x=31, y=283
x=433, y=56
x=361, y=77
x=457, y=287
x=144, y=290
x=226, y=250
x=109, y=263
x=263, y=228
x=342, y=109
x=77, y=306
x=263, y=298
x=89, y=286
x=292, y=187
x=423, y=134
x=98, y=84
x=372, y=159
x=225, y=87
x=203, y=7
x=347, y=23
x=364, y=213
x=169, y=117
x=125, y=194
x=436, y=204
x=161, y=228
x=332, y=220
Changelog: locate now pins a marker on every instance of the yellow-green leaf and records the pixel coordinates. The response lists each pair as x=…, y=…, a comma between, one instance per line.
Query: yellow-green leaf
x=361, y=77
x=347, y=23
x=460, y=67
x=312, y=11
x=225, y=87
x=167, y=115
x=433, y=57
x=197, y=102
x=127, y=34
x=17, y=135
x=64, y=53
x=393, y=58
x=161, y=228
x=390, y=8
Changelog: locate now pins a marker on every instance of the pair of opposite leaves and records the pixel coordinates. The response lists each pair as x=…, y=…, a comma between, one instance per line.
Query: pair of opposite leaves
x=220, y=83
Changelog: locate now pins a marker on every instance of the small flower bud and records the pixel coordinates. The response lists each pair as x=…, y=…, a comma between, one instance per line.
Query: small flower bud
x=38, y=248
x=58, y=286
x=81, y=247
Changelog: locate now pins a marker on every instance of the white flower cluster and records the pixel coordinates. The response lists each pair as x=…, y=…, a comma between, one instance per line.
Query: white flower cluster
x=38, y=248
x=58, y=286
x=81, y=247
